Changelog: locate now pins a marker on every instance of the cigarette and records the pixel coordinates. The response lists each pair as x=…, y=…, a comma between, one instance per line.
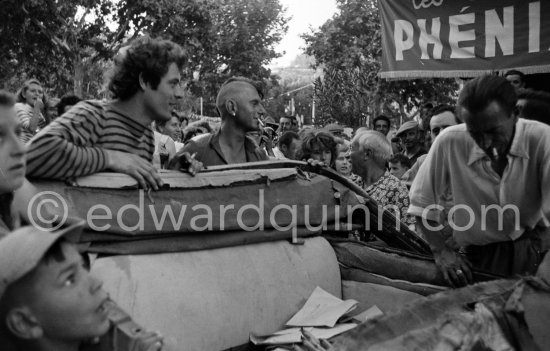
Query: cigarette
x=495, y=153
x=261, y=123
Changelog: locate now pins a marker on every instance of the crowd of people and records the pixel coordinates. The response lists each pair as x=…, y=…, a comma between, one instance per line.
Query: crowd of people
x=491, y=148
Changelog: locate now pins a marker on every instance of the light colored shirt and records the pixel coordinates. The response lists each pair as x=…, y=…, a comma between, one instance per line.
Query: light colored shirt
x=456, y=163
x=166, y=144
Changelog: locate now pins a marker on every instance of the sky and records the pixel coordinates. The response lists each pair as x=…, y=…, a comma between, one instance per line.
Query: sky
x=305, y=13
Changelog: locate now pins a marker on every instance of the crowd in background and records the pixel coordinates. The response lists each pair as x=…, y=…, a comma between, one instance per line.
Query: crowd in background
x=493, y=147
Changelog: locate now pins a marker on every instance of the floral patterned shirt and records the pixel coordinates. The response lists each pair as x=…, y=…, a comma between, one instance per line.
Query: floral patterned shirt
x=390, y=191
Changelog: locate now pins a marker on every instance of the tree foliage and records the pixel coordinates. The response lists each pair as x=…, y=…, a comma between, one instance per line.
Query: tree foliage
x=349, y=49
x=58, y=42
x=66, y=44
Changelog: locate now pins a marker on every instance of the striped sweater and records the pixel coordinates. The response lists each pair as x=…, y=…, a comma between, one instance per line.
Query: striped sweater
x=25, y=113
x=75, y=144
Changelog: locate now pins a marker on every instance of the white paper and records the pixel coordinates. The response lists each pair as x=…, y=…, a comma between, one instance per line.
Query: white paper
x=321, y=310
x=294, y=335
x=371, y=313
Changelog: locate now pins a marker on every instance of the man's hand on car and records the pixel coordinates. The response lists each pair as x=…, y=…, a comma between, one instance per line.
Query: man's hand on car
x=136, y=167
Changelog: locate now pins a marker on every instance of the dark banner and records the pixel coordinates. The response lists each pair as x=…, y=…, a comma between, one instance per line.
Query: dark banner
x=463, y=38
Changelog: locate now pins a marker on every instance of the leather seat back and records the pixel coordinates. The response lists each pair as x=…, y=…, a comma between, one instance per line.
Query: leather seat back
x=213, y=299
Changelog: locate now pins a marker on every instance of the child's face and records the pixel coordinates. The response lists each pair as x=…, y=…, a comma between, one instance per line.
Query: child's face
x=397, y=169
x=68, y=302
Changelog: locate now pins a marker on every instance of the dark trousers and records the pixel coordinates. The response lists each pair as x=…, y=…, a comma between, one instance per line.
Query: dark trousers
x=509, y=258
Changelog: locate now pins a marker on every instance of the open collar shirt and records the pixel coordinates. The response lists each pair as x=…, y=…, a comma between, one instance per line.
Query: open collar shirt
x=519, y=200
x=208, y=150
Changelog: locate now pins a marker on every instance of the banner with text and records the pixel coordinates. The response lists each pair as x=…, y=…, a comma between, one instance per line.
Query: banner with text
x=463, y=38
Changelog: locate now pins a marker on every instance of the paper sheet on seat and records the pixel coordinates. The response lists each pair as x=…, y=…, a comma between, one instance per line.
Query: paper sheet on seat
x=294, y=335
x=321, y=310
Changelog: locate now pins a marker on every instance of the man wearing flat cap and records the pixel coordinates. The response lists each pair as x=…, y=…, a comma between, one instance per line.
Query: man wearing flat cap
x=409, y=134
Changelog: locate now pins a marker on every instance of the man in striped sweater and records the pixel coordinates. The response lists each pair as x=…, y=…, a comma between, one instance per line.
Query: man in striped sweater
x=96, y=136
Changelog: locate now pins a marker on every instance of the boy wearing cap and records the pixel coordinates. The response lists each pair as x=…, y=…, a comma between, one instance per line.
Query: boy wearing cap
x=48, y=300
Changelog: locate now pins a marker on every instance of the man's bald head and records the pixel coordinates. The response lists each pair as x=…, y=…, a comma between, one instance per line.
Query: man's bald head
x=233, y=89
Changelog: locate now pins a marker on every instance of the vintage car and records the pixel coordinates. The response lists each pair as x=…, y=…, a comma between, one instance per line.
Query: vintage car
x=238, y=249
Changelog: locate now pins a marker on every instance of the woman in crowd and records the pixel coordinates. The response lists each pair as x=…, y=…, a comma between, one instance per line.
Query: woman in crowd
x=29, y=108
x=320, y=146
x=342, y=164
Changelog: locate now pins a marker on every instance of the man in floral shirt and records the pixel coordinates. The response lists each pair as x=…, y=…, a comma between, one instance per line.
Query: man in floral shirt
x=370, y=153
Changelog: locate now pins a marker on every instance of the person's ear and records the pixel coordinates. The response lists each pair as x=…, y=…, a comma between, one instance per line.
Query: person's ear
x=368, y=154
x=23, y=324
x=231, y=107
x=142, y=83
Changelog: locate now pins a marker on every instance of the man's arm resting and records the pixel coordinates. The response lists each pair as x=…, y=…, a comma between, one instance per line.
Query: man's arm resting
x=455, y=269
x=50, y=156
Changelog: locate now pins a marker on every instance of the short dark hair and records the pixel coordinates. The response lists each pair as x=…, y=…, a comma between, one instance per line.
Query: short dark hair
x=143, y=56
x=20, y=96
x=287, y=137
x=6, y=99
x=537, y=105
x=514, y=72
x=382, y=118
x=320, y=139
x=478, y=93
x=67, y=100
x=402, y=159
x=163, y=122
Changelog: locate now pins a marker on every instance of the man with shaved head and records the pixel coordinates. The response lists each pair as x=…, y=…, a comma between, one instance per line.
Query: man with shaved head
x=239, y=104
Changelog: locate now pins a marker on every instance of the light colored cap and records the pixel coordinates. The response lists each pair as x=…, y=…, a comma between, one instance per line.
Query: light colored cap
x=22, y=250
x=407, y=126
x=445, y=118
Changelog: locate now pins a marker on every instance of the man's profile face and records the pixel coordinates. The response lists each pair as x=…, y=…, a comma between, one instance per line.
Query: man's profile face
x=397, y=169
x=492, y=128
x=249, y=108
x=160, y=102
x=67, y=301
x=382, y=127
x=171, y=128
x=409, y=138
x=285, y=124
x=515, y=80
